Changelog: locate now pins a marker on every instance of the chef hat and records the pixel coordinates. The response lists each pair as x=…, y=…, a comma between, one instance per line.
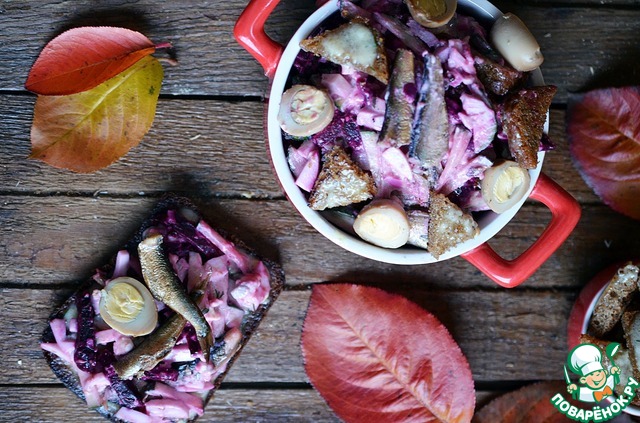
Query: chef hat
x=585, y=359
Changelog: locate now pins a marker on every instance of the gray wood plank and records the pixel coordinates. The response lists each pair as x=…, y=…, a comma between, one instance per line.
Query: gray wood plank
x=584, y=46
x=211, y=148
x=54, y=404
x=201, y=32
x=31, y=229
x=495, y=330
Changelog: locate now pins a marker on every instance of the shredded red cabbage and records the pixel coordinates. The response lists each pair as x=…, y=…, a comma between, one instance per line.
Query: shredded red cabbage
x=343, y=126
x=189, y=334
x=161, y=373
x=85, y=354
x=180, y=237
x=124, y=389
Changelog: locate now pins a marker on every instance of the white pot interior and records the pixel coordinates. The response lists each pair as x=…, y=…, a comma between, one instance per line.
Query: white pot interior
x=490, y=223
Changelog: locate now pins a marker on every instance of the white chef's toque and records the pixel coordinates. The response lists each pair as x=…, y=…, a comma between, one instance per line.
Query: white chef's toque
x=585, y=359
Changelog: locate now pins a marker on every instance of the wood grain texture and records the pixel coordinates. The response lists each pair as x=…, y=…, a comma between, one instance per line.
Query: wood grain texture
x=55, y=404
x=92, y=230
x=583, y=47
x=494, y=330
x=208, y=143
x=208, y=147
x=201, y=32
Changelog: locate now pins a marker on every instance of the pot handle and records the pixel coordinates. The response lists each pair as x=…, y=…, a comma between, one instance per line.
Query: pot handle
x=565, y=212
x=249, y=33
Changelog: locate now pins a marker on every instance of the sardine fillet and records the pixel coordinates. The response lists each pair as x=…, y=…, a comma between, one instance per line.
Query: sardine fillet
x=152, y=350
x=166, y=287
x=398, y=118
x=431, y=132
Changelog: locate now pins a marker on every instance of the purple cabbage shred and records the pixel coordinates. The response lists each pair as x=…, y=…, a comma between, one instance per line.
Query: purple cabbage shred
x=469, y=196
x=124, y=389
x=189, y=333
x=546, y=144
x=85, y=354
x=343, y=126
x=161, y=374
x=180, y=237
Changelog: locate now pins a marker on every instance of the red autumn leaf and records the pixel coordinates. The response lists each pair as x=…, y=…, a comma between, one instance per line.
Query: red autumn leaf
x=377, y=357
x=532, y=404
x=603, y=127
x=532, y=401
x=83, y=58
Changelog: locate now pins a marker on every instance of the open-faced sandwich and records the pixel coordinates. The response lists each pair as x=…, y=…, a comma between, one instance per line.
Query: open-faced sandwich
x=151, y=335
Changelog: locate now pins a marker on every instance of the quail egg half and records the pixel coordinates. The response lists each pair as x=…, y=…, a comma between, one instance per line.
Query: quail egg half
x=128, y=307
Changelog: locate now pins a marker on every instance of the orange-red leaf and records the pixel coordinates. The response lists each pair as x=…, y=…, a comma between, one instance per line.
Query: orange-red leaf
x=377, y=357
x=83, y=58
x=87, y=131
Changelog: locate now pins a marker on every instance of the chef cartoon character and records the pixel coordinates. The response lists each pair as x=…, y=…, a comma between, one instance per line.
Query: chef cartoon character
x=585, y=360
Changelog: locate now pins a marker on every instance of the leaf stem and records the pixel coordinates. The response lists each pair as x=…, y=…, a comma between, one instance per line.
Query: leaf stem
x=165, y=45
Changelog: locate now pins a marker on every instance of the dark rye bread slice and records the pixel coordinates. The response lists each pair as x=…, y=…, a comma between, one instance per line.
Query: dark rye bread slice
x=448, y=225
x=346, y=44
x=614, y=299
x=249, y=324
x=525, y=112
x=341, y=182
x=498, y=79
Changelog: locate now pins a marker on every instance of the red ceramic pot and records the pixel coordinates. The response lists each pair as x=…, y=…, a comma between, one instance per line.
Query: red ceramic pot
x=277, y=61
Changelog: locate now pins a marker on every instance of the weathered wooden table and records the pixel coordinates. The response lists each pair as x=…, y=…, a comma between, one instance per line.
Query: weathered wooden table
x=207, y=142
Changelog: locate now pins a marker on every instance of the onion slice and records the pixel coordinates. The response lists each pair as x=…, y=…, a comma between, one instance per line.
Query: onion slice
x=383, y=222
x=305, y=110
x=515, y=42
x=504, y=185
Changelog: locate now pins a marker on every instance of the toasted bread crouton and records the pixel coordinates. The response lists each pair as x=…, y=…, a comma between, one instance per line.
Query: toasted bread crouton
x=631, y=328
x=448, y=225
x=614, y=299
x=620, y=359
x=353, y=44
x=340, y=182
x=497, y=78
x=525, y=112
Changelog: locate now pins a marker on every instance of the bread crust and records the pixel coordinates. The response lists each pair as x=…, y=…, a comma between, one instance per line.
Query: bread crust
x=448, y=225
x=631, y=328
x=378, y=69
x=341, y=182
x=250, y=322
x=497, y=78
x=525, y=112
x=614, y=300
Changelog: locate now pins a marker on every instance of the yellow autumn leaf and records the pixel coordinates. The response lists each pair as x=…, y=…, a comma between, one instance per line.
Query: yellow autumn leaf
x=90, y=130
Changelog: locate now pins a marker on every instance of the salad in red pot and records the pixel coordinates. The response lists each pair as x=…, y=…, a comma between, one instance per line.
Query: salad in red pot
x=404, y=121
